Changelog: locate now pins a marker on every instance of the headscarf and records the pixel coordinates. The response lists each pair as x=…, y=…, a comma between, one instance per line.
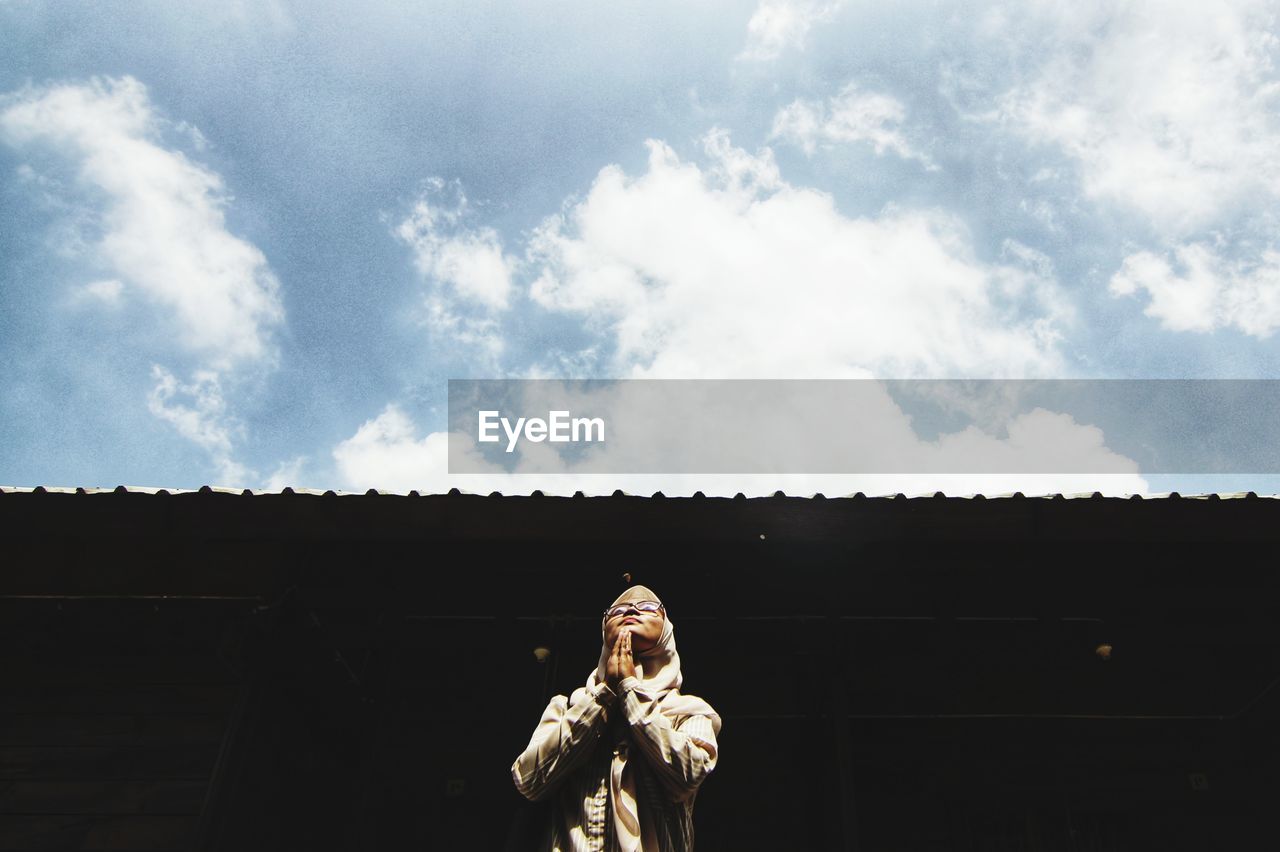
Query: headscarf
x=658, y=670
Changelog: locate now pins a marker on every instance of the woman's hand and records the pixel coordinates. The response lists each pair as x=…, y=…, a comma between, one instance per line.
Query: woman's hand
x=621, y=664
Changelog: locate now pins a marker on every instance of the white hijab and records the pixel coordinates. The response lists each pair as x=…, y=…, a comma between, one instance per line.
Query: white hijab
x=658, y=670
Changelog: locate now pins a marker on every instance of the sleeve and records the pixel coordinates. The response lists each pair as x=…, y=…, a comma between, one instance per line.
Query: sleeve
x=682, y=751
x=563, y=739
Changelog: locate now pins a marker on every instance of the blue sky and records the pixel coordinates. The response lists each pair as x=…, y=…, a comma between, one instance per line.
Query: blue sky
x=246, y=244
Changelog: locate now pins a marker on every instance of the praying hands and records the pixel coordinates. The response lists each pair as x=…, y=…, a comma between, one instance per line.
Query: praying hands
x=620, y=664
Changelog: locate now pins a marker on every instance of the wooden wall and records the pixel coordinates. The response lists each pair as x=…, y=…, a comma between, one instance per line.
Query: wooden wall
x=242, y=674
x=112, y=715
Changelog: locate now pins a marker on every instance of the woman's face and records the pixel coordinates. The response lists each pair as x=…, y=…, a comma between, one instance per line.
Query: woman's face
x=645, y=627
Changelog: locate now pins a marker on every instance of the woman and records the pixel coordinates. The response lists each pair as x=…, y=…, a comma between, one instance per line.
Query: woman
x=623, y=756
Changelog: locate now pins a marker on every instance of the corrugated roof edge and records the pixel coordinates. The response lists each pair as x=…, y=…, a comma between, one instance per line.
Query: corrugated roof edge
x=246, y=492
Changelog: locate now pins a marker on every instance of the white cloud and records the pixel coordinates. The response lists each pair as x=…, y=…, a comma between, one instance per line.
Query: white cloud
x=385, y=453
x=198, y=411
x=156, y=220
x=469, y=275
x=725, y=270
x=851, y=116
x=1170, y=112
x=288, y=473
x=470, y=263
x=1205, y=291
x=107, y=291
x=729, y=271
x=777, y=25
x=1168, y=109
x=1037, y=439
x=480, y=333
x=163, y=228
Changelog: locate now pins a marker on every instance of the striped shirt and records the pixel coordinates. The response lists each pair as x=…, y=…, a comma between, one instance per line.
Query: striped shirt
x=571, y=753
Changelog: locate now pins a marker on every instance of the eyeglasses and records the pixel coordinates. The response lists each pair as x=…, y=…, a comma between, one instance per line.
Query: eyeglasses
x=638, y=606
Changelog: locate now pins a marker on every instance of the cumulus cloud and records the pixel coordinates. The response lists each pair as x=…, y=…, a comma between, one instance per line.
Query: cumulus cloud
x=162, y=222
x=778, y=25
x=1203, y=291
x=728, y=271
x=156, y=220
x=1169, y=112
x=722, y=269
x=198, y=411
x=385, y=453
x=1169, y=109
x=469, y=262
x=481, y=332
x=851, y=116
x=468, y=273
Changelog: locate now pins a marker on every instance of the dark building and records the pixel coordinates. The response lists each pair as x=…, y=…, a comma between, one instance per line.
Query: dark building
x=243, y=672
